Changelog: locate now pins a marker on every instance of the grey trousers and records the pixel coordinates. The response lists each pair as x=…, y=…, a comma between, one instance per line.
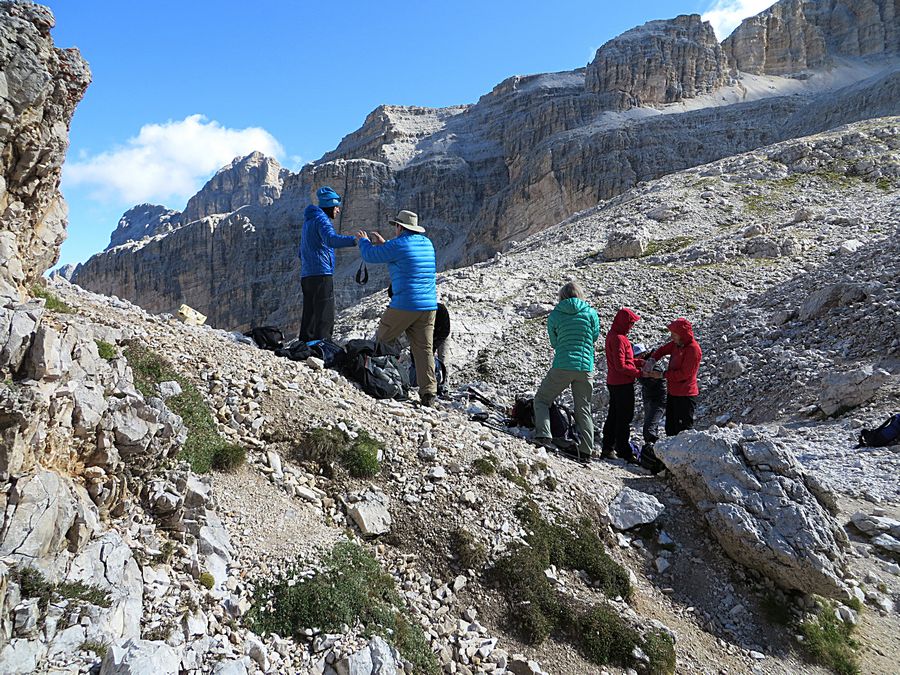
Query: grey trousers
x=555, y=382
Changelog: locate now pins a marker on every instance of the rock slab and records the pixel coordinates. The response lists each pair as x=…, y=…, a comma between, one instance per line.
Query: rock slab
x=631, y=508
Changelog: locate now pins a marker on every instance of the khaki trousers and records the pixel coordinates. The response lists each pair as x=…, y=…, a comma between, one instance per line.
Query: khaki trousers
x=419, y=329
x=554, y=383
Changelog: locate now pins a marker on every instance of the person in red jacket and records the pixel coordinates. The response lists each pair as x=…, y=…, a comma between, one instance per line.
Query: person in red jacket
x=684, y=361
x=621, y=371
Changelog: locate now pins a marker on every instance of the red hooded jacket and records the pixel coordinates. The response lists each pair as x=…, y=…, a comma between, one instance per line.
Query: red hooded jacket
x=684, y=361
x=620, y=364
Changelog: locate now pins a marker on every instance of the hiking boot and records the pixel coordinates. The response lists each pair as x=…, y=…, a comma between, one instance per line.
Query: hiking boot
x=427, y=400
x=608, y=453
x=544, y=442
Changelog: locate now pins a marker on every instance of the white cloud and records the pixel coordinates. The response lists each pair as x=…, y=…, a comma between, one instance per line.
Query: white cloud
x=169, y=161
x=726, y=15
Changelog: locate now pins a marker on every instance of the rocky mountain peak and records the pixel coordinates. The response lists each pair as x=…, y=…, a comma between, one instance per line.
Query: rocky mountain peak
x=41, y=87
x=797, y=35
x=659, y=62
x=144, y=220
x=254, y=179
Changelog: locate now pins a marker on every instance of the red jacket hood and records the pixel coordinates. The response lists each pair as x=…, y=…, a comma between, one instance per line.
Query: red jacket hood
x=625, y=319
x=683, y=328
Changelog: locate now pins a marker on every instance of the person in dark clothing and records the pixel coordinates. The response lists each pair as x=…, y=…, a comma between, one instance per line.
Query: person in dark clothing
x=621, y=372
x=317, y=244
x=653, y=396
x=681, y=376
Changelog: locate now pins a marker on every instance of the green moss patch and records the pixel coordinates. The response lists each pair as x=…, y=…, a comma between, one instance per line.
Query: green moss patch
x=828, y=642
x=51, y=302
x=204, y=448
x=485, y=466
x=352, y=587
x=663, y=246
x=106, y=351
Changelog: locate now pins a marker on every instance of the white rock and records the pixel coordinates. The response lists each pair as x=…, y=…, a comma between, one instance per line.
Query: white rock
x=140, y=657
x=631, y=508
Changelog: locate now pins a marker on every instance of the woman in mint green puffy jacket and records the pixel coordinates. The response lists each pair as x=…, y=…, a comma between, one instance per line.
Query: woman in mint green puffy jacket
x=574, y=328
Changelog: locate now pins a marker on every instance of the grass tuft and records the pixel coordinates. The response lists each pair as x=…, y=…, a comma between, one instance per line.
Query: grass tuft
x=98, y=648
x=204, y=448
x=361, y=457
x=515, y=477
x=330, y=446
x=33, y=584
x=107, y=351
x=662, y=246
x=485, y=466
x=51, y=302
x=828, y=642
x=351, y=588
x=471, y=553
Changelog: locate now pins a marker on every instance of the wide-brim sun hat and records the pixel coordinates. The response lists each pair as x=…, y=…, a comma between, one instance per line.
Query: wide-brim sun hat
x=408, y=221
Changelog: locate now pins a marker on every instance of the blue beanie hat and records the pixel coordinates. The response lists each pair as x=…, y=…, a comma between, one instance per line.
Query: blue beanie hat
x=327, y=197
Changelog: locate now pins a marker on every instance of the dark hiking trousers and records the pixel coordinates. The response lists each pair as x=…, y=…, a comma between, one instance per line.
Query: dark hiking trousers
x=679, y=414
x=317, y=322
x=654, y=409
x=617, y=427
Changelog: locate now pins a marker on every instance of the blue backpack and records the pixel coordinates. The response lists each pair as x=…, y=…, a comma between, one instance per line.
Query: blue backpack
x=887, y=434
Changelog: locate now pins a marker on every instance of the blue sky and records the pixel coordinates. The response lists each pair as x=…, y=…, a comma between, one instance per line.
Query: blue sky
x=180, y=88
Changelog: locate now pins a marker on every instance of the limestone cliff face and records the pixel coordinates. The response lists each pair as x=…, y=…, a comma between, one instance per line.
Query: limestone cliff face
x=40, y=86
x=798, y=35
x=527, y=155
x=659, y=62
x=144, y=220
x=254, y=179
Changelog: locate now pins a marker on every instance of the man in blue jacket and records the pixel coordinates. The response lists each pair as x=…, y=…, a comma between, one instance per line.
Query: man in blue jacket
x=411, y=264
x=317, y=245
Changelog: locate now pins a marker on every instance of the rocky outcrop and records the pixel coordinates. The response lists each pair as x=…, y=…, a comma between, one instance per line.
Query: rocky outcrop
x=659, y=62
x=798, y=35
x=763, y=508
x=143, y=220
x=40, y=86
x=254, y=179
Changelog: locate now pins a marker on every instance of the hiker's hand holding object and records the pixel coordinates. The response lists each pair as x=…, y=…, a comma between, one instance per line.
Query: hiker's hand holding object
x=377, y=238
x=360, y=235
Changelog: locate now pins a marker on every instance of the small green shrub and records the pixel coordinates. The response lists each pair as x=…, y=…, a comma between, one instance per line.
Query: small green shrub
x=352, y=587
x=33, y=584
x=884, y=183
x=51, y=302
x=551, y=483
x=485, y=466
x=361, y=457
x=537, y=609
x=515, y=477
x=204, y=446
x=321, y=445
x=98, y=648
x=107, y=351
x=471, y=553
x=828, y=642
x=207, y=580
x=228, y=457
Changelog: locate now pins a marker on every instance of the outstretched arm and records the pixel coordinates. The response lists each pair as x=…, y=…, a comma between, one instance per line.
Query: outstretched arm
x=332, y=238
x=383, y=253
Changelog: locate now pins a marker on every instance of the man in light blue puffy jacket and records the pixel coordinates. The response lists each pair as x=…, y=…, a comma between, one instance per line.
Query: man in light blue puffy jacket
x=317, y=245
x=411, y=264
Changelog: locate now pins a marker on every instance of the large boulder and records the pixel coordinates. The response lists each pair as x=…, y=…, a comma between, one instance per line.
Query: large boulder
x=843, y=391
x=140, y=657
x=40, y=86
x=760, y=505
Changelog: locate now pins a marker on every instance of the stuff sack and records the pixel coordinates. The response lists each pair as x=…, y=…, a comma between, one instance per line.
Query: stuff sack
x=355, y=351
x=887, y=434
x=383, y=378
x=266, y=337
x=295, y=351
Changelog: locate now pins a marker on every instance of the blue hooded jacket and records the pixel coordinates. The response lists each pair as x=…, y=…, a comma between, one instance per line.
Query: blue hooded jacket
x=317, y=243
x=411, y=263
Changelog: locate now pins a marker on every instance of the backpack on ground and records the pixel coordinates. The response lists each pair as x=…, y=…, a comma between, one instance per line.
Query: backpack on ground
x=296, y=350
x=562, y=422
x=266, y=337
x=887, y=434
x=383, y=378
x=440, y=374
x=332, y=354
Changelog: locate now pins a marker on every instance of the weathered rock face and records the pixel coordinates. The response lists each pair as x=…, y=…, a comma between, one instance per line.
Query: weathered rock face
x=40, y=86
x=765, y=511
x=143, y=220
x=254, y=179
x=659, y=62
x=798, y=35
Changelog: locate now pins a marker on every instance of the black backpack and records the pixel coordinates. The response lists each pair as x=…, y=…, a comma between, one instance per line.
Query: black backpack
x=562, y=421
x=266, y=337
x=332, y=354
x=887, y=434
x=295, y=351
x=376, y=367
